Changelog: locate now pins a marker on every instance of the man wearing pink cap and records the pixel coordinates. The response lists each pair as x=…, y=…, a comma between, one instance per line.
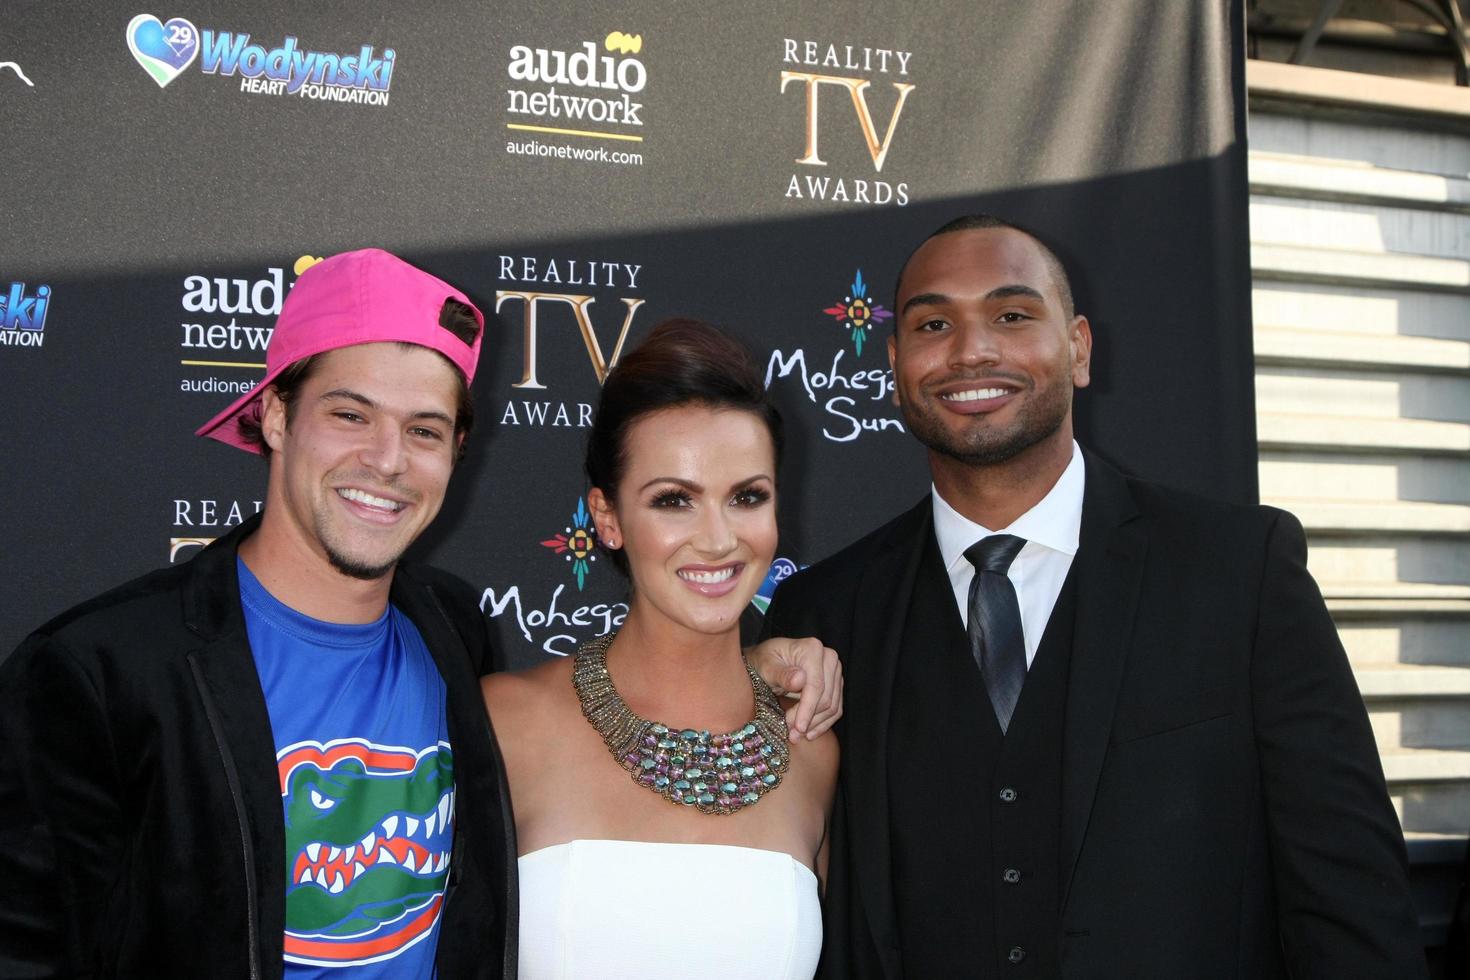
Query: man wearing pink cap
x=274, y=760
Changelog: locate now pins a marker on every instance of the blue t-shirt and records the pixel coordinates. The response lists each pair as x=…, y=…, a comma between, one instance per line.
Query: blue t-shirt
x=367, y=784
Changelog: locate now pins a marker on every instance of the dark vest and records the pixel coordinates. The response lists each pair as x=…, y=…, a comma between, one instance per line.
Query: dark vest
x=975, y=815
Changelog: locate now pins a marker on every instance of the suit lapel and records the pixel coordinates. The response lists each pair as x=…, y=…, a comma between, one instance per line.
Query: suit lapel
x=881, y=609
x=1108, y=570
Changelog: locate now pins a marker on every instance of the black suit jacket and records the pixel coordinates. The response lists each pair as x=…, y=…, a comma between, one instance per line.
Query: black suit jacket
x=1224, y=812
x=141, y=830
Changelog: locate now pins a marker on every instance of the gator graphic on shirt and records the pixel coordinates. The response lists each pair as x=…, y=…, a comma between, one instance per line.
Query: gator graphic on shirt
x=368, y=839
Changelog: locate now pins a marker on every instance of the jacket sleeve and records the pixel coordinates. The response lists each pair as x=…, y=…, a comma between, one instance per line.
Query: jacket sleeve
x=61, y=816
x=790, y=614
x=462, y=603
x=1337, y=849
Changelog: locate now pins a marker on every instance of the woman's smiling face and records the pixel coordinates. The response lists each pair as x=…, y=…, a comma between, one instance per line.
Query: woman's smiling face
x=695, y=513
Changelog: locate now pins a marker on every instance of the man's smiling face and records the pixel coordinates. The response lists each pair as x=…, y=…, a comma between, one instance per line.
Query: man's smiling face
x=362, y=467
x=985, y=355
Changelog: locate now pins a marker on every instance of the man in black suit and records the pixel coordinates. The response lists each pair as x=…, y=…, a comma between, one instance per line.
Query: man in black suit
x=1094, y=728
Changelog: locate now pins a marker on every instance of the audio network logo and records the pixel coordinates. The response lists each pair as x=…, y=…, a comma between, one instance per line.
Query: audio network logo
x=835, y=69
x=559, y=294
x=219, y=349
x=579, y=104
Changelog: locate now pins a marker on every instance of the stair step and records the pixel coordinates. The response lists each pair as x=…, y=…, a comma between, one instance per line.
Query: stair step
x=1415, y=681
x=1427, y=714
x=1334, y=226
x=1357, y=142
x=1430, y=848
x=1426, y=766
x=1377, y=517
x=1364, y=476
x=1298, y=90
x=1360, y=607
x=1412, y=638
x=1348, y=308
x=1370, y=561
x=1358, y=395
x=1437, y=806
x=1337, y=433
x=1286, y=346
x=1375, y=600
x=1352, y=181
x=1297, y=263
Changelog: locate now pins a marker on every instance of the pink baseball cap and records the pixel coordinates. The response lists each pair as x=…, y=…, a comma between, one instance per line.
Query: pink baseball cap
x=362, y=297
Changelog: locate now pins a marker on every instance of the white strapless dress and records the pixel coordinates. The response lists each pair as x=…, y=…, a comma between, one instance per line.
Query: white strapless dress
x=595, y=909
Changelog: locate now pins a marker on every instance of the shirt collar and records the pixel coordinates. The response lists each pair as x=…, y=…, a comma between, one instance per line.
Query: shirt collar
x=1055, y=522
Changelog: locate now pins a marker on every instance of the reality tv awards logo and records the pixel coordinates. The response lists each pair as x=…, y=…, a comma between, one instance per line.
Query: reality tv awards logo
x=555, y=297
x=585, y=103
x=199, y=520
x=866, y=88
x=166, y=49
x=853, y=386
x=23, y=315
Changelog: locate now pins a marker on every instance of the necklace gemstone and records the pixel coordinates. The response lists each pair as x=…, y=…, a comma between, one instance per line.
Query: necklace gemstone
x=717, y=774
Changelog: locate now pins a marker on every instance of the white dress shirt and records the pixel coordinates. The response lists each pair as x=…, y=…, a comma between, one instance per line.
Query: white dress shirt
x=1051, y=530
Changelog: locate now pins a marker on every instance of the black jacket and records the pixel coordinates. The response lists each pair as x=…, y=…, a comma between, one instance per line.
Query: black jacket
x=141, y=830
x=1224, y=813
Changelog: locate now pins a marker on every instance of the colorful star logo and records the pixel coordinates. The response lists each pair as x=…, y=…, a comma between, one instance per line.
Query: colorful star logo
x=857, y=313
x=578, y=542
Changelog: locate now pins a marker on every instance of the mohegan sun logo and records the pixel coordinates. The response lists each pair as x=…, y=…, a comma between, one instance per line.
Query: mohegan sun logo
x=858, y=313
x=577, y=541
x=369, y=830
x=855, y=395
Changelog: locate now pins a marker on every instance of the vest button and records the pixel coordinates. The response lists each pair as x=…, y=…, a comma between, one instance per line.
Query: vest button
x=1016, y=955
x=1008, y=795
x=1011, y=876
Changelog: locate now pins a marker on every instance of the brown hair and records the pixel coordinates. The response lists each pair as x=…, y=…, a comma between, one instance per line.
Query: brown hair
x=680, y=362
x=968, y=222
x=454, y=316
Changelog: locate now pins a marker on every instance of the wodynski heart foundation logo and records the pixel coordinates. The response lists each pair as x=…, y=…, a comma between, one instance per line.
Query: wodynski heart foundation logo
x=359, y=75
x=163, y=49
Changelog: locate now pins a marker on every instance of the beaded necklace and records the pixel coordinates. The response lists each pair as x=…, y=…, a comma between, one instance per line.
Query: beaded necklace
x=711, y=773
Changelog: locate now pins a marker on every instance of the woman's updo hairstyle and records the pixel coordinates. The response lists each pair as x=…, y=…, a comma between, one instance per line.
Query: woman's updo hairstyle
x=680, y=362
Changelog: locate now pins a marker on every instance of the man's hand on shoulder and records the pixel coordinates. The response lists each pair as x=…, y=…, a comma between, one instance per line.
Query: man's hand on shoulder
x=808, y=671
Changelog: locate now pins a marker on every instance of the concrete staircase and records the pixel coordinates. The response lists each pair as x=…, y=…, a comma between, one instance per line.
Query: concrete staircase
x=1360, y=250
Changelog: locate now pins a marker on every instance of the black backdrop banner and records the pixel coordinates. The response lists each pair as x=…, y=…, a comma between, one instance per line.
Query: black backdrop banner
x=583, y=171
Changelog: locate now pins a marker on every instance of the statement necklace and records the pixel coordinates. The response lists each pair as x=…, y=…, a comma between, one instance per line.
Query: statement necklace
x=711, y=773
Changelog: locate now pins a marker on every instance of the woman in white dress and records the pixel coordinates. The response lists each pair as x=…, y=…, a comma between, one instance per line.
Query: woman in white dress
x=667, y=825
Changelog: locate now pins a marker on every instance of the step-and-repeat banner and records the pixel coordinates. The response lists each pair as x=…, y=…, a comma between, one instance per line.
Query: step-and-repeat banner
x=583, y=171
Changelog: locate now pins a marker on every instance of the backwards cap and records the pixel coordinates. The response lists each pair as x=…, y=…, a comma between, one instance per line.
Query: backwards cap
x=363, y=297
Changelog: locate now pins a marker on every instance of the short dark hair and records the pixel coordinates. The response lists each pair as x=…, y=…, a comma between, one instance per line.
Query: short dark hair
x=456, y=317
x=680, y=362
x=969, y=222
